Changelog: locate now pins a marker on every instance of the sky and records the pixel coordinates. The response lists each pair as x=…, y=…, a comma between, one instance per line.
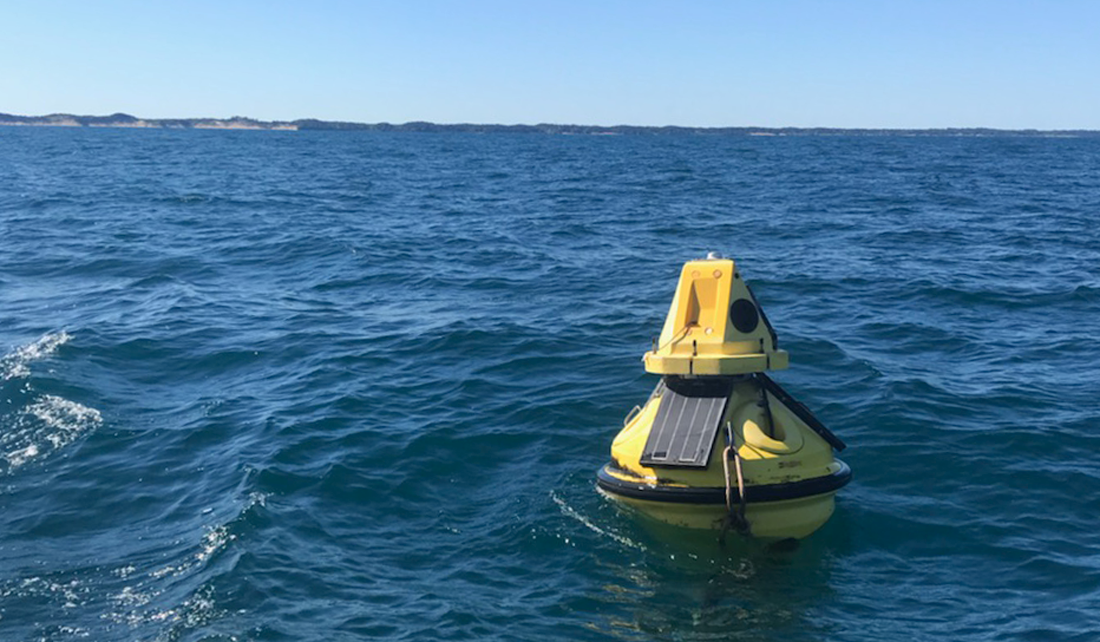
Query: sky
x=1006, y=64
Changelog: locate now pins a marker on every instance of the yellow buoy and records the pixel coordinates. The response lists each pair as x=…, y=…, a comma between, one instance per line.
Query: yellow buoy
x=719, y=444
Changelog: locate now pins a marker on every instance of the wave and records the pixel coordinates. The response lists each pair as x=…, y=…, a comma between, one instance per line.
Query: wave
x=140, y=604
x=16, y=364
x=47, y=425
x=41, y=423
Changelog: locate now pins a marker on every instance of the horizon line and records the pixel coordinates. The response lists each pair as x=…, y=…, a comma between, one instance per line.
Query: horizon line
x=122, y=119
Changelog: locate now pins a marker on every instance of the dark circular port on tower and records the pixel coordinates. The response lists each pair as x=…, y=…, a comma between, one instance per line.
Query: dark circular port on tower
x=744, y=315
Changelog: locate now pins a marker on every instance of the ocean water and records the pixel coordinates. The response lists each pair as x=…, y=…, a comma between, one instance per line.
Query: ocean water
x=349, y=386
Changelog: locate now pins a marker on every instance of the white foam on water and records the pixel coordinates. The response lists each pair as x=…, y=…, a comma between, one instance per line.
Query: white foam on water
x=129, y=602
x=130, y=597
x=215, y=540
x=16, y=363
x=17, y=458
x=133, y=611
x=169, y=570
x=125, y=571
x=67, y=418
x=256, y=498
x=196, y=611
x=49, y=422
x=70, y=595
x=47, y=425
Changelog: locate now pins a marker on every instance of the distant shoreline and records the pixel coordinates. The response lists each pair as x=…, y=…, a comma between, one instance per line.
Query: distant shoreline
x=310, y=124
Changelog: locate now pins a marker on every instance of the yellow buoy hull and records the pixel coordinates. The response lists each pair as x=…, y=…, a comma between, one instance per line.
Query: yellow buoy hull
x=795, y=518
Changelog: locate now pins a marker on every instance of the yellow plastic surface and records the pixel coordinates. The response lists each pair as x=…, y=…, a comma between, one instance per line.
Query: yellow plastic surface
x=793, y=518
x=800, y=453
x=699, y=337
x=781, y=450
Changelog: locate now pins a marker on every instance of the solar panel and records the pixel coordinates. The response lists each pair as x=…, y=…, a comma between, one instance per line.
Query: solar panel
x=687, y=421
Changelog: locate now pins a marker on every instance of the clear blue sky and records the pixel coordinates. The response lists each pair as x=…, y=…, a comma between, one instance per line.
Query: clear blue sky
x=834, y=63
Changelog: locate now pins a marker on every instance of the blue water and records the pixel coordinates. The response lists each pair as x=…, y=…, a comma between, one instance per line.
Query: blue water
x=344, y=386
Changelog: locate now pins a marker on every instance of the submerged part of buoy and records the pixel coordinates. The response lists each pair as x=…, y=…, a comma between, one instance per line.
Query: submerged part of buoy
x=715, y=413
